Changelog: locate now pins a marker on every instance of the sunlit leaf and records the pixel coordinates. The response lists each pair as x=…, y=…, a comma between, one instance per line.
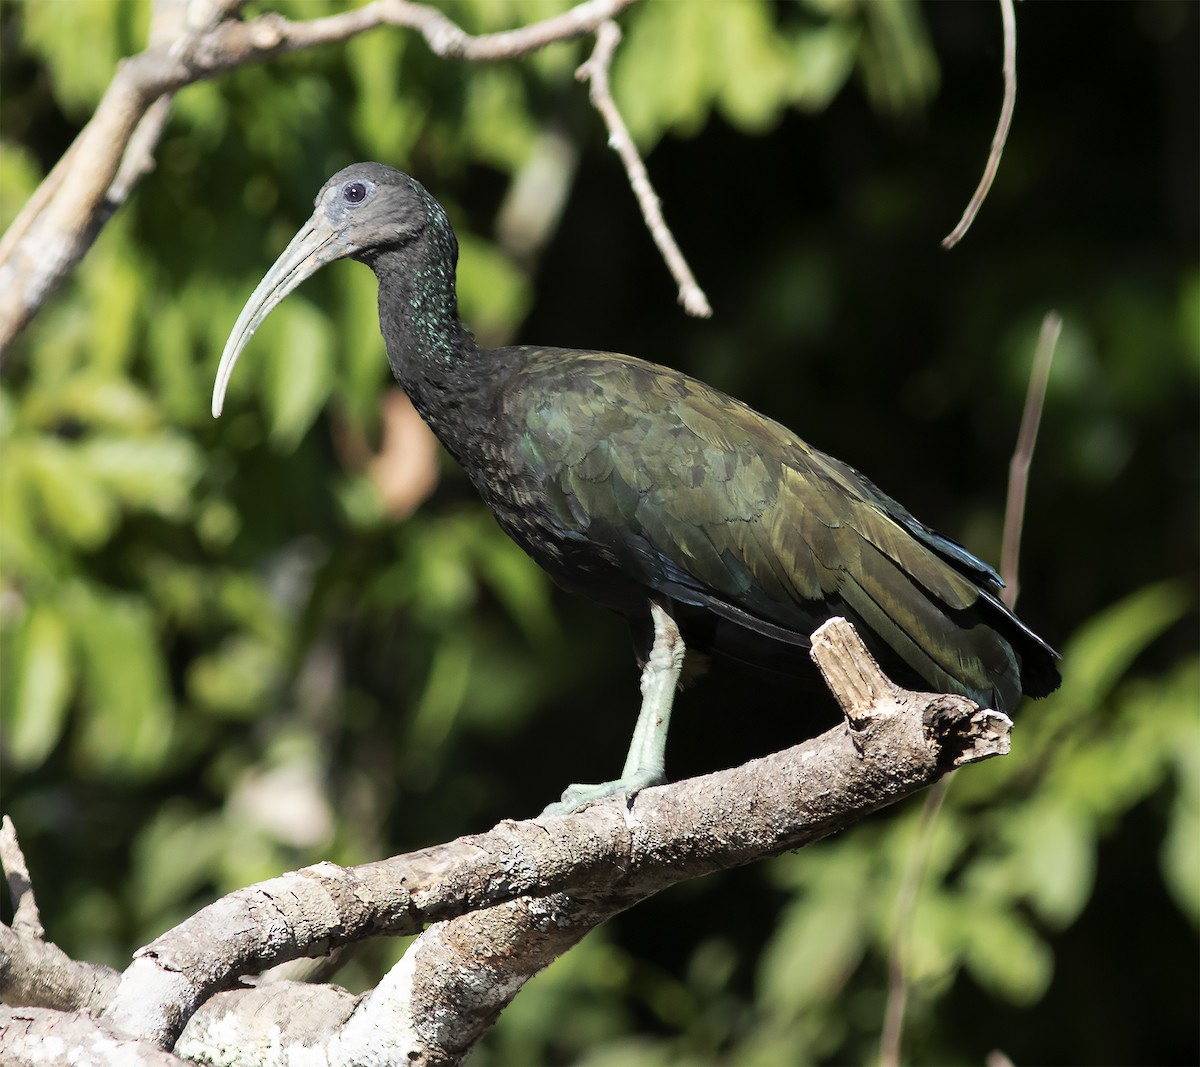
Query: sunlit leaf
x=174, y=855
x=496, y=118
x=126, y=723
x=35, y=720
x=517, y=582
x=442, y=699
x=1005, y=955
x=99, y=400
x=1053, y=861
x=1104, y=647
x=820, y=937
x=18, y=179
x=81, y=43
x=300, y=371
x=822, y=61
x=1180, y=855
x=69, y=501
x=155, y=473
x=898, y=62
x=236, y=679
x=387, y=121
x=493, y=293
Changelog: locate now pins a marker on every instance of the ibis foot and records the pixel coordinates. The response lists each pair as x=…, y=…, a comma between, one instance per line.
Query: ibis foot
x=578, y=796
x=646, y=763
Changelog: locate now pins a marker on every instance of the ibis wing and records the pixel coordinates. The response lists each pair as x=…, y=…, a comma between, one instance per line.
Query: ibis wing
x=715, y=505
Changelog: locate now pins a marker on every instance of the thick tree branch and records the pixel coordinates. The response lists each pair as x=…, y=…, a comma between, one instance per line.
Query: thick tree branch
x=505, y=903
x=570, y=872
x=101, y=168
x=33, y=971
x=39, y=974
x=41, y=1037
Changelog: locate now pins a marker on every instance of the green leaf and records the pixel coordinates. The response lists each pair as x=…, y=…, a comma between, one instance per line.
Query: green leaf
x=385, y=120
x=235, y=681
x=660, y=73
x=1053, y=859
x=821, y=936
x=99, y=400
x=1006, y=956
x=71, y=502
x=1101, y=651
x=363, y=367
x=756, y=71
x=493, y=292
x=1180, y=854
x=81, y=43
x=174, y=855
x=19, y=177
x=821, y=63
x=898, y=63
x=518, y=584
x=126, y=724
x=153, y=473
x=445, y=689
x=34, y=722
x=113, y=287
x=496, y=118
x=299, y=372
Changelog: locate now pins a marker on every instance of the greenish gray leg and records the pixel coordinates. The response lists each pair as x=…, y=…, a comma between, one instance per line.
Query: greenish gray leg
x=646, y=763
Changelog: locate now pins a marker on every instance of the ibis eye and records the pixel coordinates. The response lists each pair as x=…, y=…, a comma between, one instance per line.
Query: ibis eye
x=354, y=192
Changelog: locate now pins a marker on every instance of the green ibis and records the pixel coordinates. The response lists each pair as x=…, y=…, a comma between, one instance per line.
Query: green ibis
x=706, y=524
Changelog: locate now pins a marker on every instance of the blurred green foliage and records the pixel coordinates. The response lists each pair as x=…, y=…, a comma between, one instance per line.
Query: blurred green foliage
x=221, y=657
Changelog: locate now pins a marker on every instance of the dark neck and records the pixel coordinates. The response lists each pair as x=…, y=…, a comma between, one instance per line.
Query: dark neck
x=433, y=355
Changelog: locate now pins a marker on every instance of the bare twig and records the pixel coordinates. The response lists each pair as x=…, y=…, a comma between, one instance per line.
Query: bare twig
x=269, y=35
x=1018, y=468
x=918, y=858
x=890, y=1040
x=101, y=168
x=595, y=72
x=1008, y=17
x=26, y=920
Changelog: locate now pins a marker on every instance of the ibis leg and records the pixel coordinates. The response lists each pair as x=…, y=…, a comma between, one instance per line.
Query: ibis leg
x=646, y=763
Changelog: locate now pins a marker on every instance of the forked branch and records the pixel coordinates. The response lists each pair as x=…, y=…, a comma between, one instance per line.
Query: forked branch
x=528, y=890
x=190, y=41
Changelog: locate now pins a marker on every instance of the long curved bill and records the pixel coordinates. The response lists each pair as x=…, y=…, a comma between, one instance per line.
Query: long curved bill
x=317, y=244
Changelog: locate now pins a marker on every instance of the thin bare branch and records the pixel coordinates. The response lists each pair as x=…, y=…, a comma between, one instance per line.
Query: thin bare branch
x=1018, y=468
x=1009, y=19
x=918, y=859
x=891, y=1038
x=595, y=72
x=101, y=168
x=26, y=920
x=234, y=44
